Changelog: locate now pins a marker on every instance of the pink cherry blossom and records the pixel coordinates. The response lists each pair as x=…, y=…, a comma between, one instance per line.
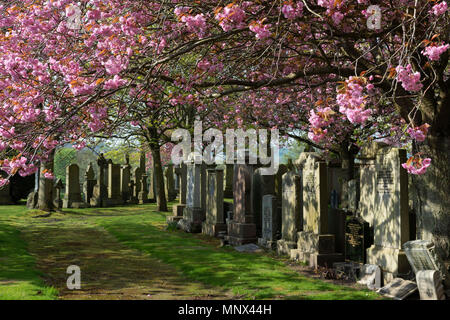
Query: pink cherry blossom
x=434, y=52
x=410, y=80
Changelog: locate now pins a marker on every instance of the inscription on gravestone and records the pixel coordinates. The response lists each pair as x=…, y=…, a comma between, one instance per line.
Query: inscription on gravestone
x=357, y=239
x=385, y=181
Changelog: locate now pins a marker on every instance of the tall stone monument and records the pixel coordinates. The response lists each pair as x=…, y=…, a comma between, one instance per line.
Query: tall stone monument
x=72, y=197
x=125, y=176
x=89, y=183
x=229, y=172
x=292, y=213
x=315, y=244
x=391, y=216
x=261, y=185
x=242, y=227
x=100, y=192
x=179, y=208
x=271, y=222
x=215, y=220
x=194, y=213
x=170, y=183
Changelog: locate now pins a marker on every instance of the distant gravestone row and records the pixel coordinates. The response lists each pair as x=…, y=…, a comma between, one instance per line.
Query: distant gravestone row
x=113, y=185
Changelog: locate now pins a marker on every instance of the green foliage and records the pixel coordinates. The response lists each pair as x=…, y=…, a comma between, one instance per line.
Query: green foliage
x=63, y=158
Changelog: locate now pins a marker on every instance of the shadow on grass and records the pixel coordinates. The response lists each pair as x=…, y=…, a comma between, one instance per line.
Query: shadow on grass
x=249, y=275
x=19, y=278
x=109, y=269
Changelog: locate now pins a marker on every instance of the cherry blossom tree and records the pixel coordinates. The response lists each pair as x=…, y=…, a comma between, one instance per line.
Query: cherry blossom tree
x=336, y=73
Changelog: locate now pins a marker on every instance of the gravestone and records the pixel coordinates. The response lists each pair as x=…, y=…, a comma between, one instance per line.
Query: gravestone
x=194, y=212
x=89, y=183
x=179, y=208
x=292, y=215
x=57, y=202
x=429, y=283
x=125, y=176
x=315, y=244
x=357, y=239
x=72, y=197
x=271, y=222
x=114, y=196
x=371, y=276
x=100, y=192
x=137, y=176
x=398, y=289
x=261, y=185
x=422, y=255
x=391, y=216
x=142, y=196
x=33, y=197
x=215, y=220
x=151, y=197
x=242, y=227
x=132, y=187
x=229, y=172
x=170, y=183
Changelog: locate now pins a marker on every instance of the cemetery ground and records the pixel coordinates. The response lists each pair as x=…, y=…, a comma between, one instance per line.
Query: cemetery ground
x=129, y=253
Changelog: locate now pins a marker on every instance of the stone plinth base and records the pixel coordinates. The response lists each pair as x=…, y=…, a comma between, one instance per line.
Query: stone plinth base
x=315, y=243
x=284, y=247
x=177, y=213
x=324, y=260
x=72, y=204
x=393, y=262
x=192, y=220
x=318, y=250
x=241, y=233
x=213, y=229
x=269, y=244
x=170, y=219
x=142, y=197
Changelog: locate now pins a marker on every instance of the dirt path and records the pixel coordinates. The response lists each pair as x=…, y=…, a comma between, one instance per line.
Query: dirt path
x=109, y=270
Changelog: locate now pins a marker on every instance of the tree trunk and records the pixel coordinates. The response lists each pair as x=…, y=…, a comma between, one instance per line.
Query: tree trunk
x=161, y=200
x=45, y=194
x=430, y=197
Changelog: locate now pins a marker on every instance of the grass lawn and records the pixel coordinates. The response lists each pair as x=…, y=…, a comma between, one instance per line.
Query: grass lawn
x=127, y=253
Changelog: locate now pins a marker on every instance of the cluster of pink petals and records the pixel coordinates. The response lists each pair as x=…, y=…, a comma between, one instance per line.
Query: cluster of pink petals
x=440, y=8
x=416, y=165
x=410, y=80
x=18, y=165
x=321, y=118
x=231, y=17
x=317, y=135
x=262, y=30
x=419, y=133
x=114, y=83
x=49, y=175
x=353, y=100
x=434, y=52
x=291, y=11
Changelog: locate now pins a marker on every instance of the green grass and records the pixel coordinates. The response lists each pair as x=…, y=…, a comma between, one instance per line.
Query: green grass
x=251, y=276
x=127, y=251
x=19, y=279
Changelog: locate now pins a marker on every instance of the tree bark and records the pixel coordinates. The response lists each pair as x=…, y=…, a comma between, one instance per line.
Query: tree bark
x=430, y=195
